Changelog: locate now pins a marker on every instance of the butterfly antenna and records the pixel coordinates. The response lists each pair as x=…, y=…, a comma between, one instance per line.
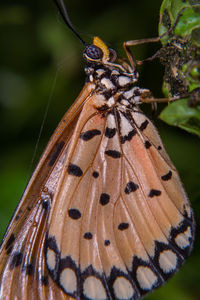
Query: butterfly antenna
x=62, y=10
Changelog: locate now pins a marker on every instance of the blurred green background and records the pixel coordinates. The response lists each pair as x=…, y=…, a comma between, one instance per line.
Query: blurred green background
x=41, y=68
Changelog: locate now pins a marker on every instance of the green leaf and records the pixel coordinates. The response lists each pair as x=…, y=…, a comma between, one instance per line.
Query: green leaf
x=188, y=22
x=180, y=56
x=180, y=114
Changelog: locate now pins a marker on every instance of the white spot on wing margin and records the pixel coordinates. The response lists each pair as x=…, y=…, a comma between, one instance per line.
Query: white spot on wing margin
x=146, y=277
x=51, y=259
x=182, y=239
x=123, y=289
x=68, y=280
x=94, y=289
x=167, y=261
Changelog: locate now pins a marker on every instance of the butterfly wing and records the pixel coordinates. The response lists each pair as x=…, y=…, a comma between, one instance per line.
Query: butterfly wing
x=23, y=271
x=120, y=223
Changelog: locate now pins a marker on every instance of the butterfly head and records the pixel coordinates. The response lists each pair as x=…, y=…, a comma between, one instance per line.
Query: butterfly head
x=98, y=54
x=98, y=51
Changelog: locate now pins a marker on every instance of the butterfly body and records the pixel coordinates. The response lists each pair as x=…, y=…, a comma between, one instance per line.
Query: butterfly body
x=105, y=213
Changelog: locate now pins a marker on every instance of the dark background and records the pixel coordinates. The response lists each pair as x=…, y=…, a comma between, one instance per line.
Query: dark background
x=42, y=69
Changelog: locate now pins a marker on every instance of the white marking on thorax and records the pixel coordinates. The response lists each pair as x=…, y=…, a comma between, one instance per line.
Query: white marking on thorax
x=99, y=100
x=135, y=100
x=111, y=101
x=115, y=72
x=129, y=93
x=108, y=83
x=100, y=72
x=124, y=102
x=89, y=70
x=124, y=80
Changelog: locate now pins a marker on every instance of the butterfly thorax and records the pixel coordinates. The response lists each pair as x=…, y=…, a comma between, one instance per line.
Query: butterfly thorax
x=116, y=87
x=113, y=79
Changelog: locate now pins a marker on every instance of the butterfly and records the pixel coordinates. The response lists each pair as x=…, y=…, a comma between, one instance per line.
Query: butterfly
x=105, y=215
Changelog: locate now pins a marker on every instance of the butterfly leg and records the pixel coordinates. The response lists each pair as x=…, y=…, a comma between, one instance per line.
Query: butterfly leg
x=131, y=43
x=146, y=97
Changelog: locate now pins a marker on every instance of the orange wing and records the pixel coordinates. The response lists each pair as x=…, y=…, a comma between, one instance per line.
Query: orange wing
x=120, y=223
x=23, y=271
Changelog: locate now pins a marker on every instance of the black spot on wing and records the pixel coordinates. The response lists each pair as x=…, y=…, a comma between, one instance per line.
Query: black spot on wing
x=110, y=132
x=45, y=280
x=113, y=153
x=88, y=236
x=75, y=170
x=10, y=241
x=123, y=226
x=74, y=213
x=129, y=136
x=131, y=187
x=88, y=135
x=106, y=242
x=144, y=125
x=147, y=144
x=30, y=268
x=55, y=153
x=153, y=193
x=18, y=215
x=167, y=176
x=16, y=260
x=9, y=250
x=104, y=199
x=159, y=148
x=95, y=174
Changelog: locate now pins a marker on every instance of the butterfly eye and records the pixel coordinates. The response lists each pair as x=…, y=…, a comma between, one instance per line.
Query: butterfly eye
x=93, y=52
